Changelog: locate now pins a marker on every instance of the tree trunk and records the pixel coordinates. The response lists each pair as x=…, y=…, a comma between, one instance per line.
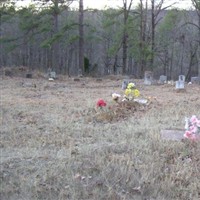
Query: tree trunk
x=81, y=38
x=125, y=39
x=152, y=33
x=143, y=20
x=125, y=35
x=55, y=46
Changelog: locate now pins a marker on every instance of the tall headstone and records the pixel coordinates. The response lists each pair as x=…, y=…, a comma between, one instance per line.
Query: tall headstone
x=180, y=84
x=181, y=78
x=148, y=77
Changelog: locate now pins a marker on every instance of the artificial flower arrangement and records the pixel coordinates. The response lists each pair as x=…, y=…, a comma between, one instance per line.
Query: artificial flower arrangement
x=192, y=128
x=131, y=92
x=101, y=103
x=116, y=97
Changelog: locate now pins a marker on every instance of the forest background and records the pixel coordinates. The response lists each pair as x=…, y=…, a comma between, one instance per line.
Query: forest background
x=128, y=39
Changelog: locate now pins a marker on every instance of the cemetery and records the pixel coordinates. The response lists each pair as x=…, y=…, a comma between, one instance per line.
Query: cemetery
x=137, y=129
x=99, y=100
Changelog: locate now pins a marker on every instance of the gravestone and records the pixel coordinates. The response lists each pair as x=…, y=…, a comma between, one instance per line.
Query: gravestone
x=52, y=75
x=148, y=77
x=163, y=79
x=125, y=82
x=176, y=135
x=181, y=78
x=29, y=75
x=195, y=80
x=180, y=84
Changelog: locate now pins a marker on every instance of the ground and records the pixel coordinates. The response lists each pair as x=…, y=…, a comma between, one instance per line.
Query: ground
x=56, y=144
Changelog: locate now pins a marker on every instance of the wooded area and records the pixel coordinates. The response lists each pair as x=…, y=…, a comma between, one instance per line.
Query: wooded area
x=128, y=40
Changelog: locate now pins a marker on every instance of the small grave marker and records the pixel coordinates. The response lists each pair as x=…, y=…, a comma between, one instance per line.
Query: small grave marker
x=148, y=77
x=52, y=75
x=163, y=79
x=76, y=79
x=176, y=135
x=125, y=82
x=195, y=80
x=29, y=75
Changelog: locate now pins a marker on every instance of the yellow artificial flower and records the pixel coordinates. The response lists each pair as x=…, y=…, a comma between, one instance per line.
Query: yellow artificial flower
x=130, y=86
x=128, y=92
x=132, y=93
x=136, y=93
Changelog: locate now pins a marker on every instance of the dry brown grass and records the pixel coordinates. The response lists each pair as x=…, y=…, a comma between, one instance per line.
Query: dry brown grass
x=56, y=145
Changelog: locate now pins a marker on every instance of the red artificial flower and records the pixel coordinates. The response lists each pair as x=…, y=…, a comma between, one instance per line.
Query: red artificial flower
x=101, y=103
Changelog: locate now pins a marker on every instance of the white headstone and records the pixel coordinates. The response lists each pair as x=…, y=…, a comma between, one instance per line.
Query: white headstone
x=148, y=77
x=52, y=75
x=180, y=85
x=181, y=78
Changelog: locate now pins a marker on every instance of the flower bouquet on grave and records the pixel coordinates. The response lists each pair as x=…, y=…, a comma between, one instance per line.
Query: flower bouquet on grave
x=131, y=92
x=192, y=128
x=101, y=104
x=104, y=113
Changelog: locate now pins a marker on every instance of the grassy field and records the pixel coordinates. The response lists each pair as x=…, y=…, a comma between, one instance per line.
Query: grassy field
x=55, y=144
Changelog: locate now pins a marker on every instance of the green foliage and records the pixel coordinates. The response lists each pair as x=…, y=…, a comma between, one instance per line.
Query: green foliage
x=10, y=43
x=7, y=13
x=29, y=19
x=72, y=39
x=48, y=42
x=169, y=21
x=113, y=30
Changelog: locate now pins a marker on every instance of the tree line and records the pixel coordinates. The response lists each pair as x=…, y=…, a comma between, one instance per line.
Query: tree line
x=125, y=40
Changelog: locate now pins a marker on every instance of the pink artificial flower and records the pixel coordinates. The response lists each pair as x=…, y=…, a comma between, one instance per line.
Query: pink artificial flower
x=193, y=119
x=193, y=137
x=198, y=123
x=187, y=134
x=101, y=103
x=193, y=129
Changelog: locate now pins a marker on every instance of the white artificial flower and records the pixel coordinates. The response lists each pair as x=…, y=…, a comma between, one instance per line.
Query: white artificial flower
x=116, y=96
